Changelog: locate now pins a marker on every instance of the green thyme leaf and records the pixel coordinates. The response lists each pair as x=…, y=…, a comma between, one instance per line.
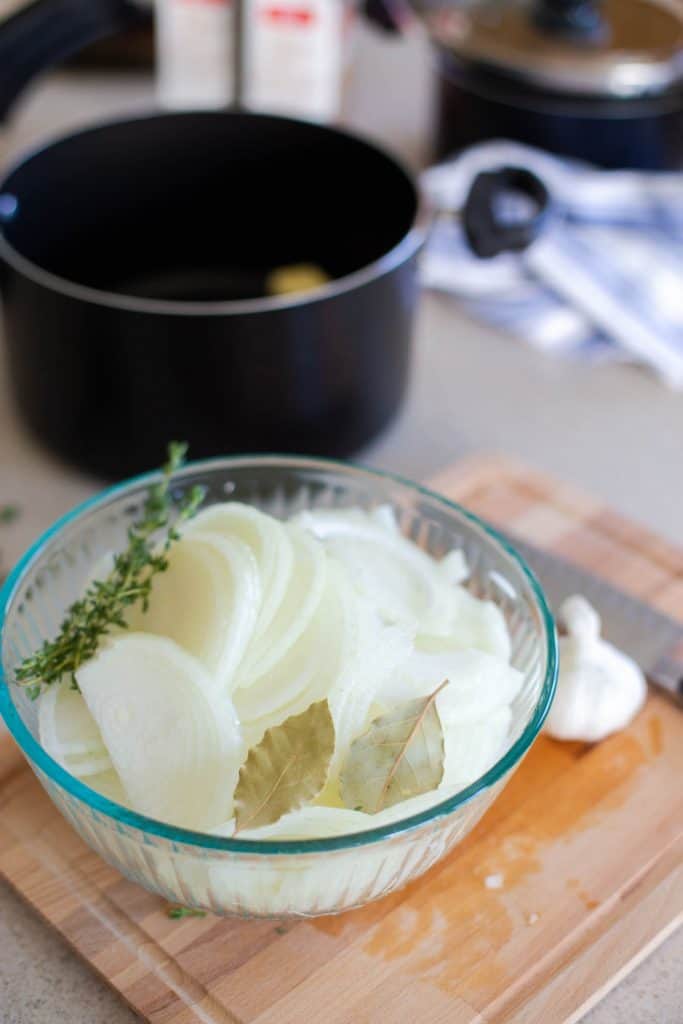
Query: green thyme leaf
x=176, y=913
x=104, y=603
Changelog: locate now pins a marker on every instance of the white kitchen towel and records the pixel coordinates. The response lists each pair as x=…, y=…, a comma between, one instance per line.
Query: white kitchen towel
x=625, y=226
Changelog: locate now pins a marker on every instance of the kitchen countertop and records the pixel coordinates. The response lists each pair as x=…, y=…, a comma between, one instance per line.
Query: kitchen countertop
x=613, y=430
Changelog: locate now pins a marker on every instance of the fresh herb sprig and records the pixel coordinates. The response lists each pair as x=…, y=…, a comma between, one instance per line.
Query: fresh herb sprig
x=177, y=913
x=104, y=603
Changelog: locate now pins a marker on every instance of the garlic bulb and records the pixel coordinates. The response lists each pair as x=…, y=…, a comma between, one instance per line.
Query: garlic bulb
x=600, y=689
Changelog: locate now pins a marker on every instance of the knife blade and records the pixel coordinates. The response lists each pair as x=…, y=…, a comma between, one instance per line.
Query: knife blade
x=651, y=638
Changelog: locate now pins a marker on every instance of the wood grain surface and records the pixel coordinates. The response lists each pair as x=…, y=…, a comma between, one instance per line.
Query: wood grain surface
x=588, y=842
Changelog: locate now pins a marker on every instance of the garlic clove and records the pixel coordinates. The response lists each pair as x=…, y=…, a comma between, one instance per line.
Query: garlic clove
x=600, y=689
x=580, y=618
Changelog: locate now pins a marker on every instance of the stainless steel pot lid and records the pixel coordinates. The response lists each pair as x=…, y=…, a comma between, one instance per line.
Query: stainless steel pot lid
x=615, y=48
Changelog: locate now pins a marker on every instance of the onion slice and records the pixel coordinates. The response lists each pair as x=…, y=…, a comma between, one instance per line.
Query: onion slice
x=297, y=608
x=175, y=744
x=478, y=683
x=268, y=541
x=69, y=733
x=207, y=601
x=401, y=580
x=471, y=748
x=311, y=667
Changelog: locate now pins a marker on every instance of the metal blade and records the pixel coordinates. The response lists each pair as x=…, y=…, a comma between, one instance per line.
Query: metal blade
x=631, y=625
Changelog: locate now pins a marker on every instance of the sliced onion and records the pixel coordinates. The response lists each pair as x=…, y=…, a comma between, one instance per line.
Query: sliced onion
x=478, y=683
x=268, y=541
x=385, y=516
x=454, y=568
x=305, y=823
x=317, y=821
x=207, y=601
x=311, y=668
x=474, y=624
x=109, y=784
x=69, y=733
x=306, y=671
x=376, y=652
x=174, y=743
x=398, y=577
x=471, y=748
x=297, y=608
x=89, y=765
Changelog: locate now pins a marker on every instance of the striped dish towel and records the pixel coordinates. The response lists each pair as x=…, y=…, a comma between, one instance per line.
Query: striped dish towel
x=623, y=227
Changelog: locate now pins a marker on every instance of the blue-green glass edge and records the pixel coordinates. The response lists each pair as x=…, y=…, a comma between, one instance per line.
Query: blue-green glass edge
x=95, y=800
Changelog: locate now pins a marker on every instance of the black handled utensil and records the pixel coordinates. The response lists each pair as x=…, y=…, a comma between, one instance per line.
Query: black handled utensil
x=652, y=639
x=509, y=209
x=505, y=210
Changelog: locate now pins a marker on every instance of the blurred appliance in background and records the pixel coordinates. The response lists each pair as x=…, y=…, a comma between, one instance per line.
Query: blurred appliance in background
x=196, y=44
x=602, y=81
x=293, y=56
x=273, y=55
x=280, y=56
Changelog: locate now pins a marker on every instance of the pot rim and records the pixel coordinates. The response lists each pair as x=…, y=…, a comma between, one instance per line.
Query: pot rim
x=612, y=60
x=497, y=85
x=404, y=250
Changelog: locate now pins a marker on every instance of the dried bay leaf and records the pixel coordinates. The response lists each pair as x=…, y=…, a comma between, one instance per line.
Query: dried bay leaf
x=399, y=756
x=287, y=769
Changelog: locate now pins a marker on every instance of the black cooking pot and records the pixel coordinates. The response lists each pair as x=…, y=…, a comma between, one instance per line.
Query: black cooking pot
x=134, y=258
x=37, y=34
x=602, y=81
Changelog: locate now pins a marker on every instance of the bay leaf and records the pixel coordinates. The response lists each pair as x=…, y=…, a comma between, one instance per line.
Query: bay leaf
x=399, y=756
x=287, y=769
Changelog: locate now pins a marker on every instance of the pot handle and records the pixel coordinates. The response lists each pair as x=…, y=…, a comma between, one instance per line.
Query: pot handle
x=45, y=32
x=580, y=20
x=505, y=210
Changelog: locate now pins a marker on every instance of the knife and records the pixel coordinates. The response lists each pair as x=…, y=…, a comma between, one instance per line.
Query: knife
x=651, y=638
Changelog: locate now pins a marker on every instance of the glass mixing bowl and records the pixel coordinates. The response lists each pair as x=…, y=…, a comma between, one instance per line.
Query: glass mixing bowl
x=273, y=878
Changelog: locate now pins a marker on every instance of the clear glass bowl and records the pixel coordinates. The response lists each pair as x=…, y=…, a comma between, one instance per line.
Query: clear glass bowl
x=273, y=878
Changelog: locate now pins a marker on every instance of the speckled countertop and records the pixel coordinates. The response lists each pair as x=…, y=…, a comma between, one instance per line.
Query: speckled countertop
x=612, y=430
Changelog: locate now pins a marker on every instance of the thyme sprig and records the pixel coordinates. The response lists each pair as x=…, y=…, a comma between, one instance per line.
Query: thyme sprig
x=103, y=605
x=176, y=913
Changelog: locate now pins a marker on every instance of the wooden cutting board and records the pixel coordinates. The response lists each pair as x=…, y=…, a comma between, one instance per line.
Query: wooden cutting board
x=587, y=843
